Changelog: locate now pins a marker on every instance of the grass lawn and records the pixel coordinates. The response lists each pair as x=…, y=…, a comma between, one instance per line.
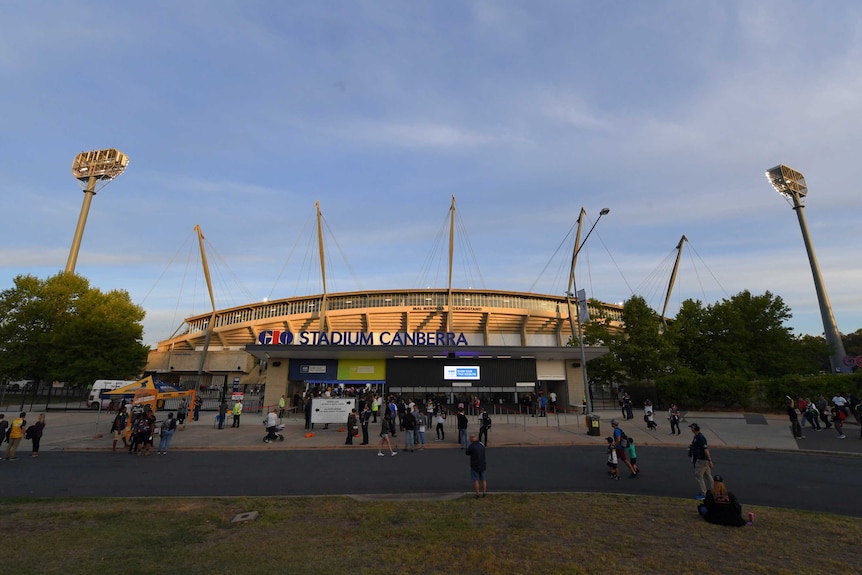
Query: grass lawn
x=530, y=534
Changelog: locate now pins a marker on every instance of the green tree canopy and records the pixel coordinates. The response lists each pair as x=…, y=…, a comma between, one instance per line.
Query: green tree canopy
x=61, y=329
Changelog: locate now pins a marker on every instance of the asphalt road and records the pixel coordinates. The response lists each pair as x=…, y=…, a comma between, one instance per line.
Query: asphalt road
x=816, y=482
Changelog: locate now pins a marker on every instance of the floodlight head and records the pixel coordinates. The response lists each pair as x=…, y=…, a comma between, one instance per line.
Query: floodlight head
x=99, y=164
x=605, y=211
x=787, y=181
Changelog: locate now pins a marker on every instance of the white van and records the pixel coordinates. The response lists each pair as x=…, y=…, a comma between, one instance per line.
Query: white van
x=101, y=385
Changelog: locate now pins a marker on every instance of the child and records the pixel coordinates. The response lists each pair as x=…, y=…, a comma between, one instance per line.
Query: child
x=633, y=458
x=613, y=462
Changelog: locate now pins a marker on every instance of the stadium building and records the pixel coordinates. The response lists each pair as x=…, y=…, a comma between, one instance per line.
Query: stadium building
x=497, y=345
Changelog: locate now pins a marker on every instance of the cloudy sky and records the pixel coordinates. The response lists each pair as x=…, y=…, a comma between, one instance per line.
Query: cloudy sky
x=240, y=115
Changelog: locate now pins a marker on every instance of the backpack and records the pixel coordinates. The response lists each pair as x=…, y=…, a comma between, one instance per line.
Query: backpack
x=624, y=439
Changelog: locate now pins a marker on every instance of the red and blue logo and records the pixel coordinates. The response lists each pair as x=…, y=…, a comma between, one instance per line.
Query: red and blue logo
x=275, y=337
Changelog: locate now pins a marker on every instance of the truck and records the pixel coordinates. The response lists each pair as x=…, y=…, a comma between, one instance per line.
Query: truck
x=95, y=399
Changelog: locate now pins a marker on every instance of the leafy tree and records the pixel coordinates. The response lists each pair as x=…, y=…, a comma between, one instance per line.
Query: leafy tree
x=812, y=355
x=61, y=329
x=644, y=352
x=742, y=335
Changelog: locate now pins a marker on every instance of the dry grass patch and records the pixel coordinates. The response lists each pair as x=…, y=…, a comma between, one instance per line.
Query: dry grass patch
x=507, y=534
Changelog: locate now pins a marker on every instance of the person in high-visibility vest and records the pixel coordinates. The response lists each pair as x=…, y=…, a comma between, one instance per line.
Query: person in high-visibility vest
x=281, y=407
x=237, y=411
x=16, y=434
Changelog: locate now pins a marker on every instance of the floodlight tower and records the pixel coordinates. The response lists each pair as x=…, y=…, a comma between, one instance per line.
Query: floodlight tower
x=92, y=169
x=791, y=184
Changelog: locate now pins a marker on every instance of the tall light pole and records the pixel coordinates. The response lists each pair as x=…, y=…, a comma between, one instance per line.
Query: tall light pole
x=91, y=169
x=581, y=301
x=791, y=184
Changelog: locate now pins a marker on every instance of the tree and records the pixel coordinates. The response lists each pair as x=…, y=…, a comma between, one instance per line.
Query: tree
x=61, y=329
x=742, y=335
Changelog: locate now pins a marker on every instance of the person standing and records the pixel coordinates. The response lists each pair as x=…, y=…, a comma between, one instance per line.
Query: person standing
x=476, y=452
x=702, y=461
x=385, y=430
x=167, y=434
x=441, y=418
x=281, y=403
x=182, y=412
x=409, y=426
x=553, y=398
x=352, y=423
x=674, y=415
x=462, y=429
x=364, y=419
x=34, y=434
x=237, y=411
x=16, y=433
x=627, y=406
x=375, y=407
x=484, y=426
x=222, y=413
x=198, y=404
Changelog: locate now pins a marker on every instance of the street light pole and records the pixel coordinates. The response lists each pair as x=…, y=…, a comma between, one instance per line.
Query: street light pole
x=572, y=292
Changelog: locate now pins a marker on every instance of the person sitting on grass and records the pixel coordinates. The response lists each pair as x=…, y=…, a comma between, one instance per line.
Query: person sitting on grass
x=721, y=506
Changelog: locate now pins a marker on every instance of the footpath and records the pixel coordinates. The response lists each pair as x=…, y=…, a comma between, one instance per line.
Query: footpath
x=89, y=431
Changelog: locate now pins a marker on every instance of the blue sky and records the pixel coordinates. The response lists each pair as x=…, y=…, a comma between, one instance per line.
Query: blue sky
x=239, y=116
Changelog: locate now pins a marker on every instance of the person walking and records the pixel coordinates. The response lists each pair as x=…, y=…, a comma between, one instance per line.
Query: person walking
x=702, y=461
x=793, y=414
x=838, y=418
x=166, y=434
x=4, y=425
x=34, y=433
x=674, y=415
x=823, y=408
x=478, y=465
x=649, y=416
x=812, y=415
x=621, y=443
x=462, y=429
x=16, y=433
x=237, y=411
x=484, y=426
x=385, y=430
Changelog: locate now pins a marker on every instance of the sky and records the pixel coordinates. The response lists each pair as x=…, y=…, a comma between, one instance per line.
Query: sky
x=239, y=116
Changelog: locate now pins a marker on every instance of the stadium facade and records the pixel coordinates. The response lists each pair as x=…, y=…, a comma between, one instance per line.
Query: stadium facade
x=494, y=344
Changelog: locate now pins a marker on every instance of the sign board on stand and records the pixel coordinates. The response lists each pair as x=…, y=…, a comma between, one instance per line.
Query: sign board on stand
x=331, y=410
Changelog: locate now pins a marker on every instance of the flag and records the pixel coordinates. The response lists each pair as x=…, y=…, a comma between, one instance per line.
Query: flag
x=583, y=312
